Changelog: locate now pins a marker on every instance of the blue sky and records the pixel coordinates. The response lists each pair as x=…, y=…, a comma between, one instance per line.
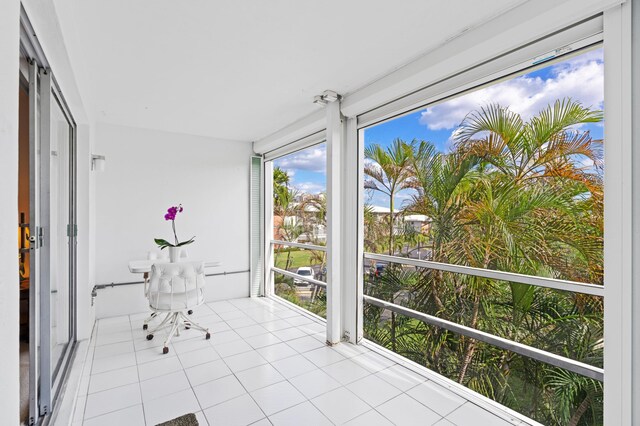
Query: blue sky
x=580, y=78
x=306, y=169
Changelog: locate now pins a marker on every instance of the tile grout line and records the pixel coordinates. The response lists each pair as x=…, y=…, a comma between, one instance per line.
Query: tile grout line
x=138, y=373
x=288, y=379
x=313, y=405
x=266, y=309
x=183, y=369
x=190, y=384
x=94, y=335
x=341, y=385
x=245, y=389
x=135, y=355
x=348, y=390
x=267, y=363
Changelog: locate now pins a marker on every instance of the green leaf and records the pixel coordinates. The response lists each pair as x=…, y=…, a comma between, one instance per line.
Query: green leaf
x=184, y=243
x=162, y=243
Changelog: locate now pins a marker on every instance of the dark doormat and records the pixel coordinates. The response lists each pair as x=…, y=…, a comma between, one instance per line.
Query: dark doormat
x=186, y=420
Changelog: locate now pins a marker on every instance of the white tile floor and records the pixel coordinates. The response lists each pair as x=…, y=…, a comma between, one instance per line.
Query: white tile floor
x=265, y=364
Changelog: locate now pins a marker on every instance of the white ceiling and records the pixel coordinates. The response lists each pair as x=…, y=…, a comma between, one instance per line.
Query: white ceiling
x=243, y=69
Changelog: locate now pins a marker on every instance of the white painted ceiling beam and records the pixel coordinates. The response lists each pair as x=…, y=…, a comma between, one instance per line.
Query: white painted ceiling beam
x=511, y=30
x=312, y=123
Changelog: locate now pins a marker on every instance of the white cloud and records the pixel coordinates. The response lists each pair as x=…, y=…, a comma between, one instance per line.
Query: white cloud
x=580, y=78
x=451, y=141
x=312, y=159
x=309, y=187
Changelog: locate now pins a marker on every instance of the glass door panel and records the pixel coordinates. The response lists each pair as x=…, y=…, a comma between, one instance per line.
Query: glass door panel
x=59, y=238
x=56, y=244
x=34, y=241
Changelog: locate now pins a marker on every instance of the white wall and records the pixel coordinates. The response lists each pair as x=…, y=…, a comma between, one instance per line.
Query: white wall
x=86, y=313
x=9, y=39
x=146, y=172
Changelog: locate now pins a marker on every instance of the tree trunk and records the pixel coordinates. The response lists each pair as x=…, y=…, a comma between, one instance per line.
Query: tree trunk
x=436, y=353
x=393, y=331
x=391, y=224
x=288, y=262
x=471, y=346
x=582, y=408
x=439, y=275
x=276, y=256
x=434, y=291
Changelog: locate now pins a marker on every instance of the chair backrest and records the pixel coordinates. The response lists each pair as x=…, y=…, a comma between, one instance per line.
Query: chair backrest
x=176, y=286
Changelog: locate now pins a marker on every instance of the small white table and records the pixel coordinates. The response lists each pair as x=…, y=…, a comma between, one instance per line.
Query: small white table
x=144, y=266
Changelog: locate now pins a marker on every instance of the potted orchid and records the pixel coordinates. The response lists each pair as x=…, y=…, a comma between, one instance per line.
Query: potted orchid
x=174, y=249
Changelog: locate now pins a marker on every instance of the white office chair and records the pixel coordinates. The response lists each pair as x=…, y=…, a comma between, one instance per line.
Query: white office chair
x=175, y=289
x=145, y=325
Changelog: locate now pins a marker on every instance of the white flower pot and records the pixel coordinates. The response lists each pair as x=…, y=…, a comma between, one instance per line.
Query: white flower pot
x=174, y=254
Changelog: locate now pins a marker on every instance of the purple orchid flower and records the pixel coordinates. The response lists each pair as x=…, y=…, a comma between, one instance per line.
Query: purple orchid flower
x=171, y=214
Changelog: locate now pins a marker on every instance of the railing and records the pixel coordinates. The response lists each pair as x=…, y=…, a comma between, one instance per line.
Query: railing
x=571, y=286
x=519, y=348
x=300, y=277
x=293, y=274
x=578, y=367
x=308, y=296
x=299, y=245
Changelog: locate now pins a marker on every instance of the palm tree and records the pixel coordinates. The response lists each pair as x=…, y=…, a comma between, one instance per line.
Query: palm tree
x=441, y=183
x=543, y=147
x=520, y=196
x=389, y=173
x=285, y=208
x=280, y=180
x=313, y=209
x=546, y=150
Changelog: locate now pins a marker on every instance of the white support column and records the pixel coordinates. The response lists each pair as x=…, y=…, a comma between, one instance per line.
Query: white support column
x=618, y=218
x=335, y=136
x=9, y=277
x=267, y=167
x=360, y=243
x=635, y=112
x=351, y=234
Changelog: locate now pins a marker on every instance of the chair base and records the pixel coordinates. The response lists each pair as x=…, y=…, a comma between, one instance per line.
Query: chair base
x=153, y=315
x=174, y=320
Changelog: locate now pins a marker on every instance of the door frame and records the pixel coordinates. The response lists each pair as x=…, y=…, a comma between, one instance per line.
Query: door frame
x=46, y=380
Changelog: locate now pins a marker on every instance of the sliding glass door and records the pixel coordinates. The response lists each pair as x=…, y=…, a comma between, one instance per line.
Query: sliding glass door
x=53, y=240
x=60, y=220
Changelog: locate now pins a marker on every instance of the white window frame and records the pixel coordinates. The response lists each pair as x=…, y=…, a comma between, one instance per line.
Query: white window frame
x=432, y=80
x=619, y=399
x=617, y=404
x=268, y=158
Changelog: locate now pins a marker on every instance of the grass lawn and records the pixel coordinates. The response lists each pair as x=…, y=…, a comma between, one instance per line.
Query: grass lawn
x=298, y=258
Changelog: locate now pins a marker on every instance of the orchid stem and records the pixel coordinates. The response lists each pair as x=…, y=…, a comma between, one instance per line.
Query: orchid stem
x=173, y=225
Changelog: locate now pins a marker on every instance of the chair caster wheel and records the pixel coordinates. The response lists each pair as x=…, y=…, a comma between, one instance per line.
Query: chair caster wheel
x=186, y=327
x=165, y=350
x=144, y=327
x=149, y=336
x=189, y=311
x=207, y=336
